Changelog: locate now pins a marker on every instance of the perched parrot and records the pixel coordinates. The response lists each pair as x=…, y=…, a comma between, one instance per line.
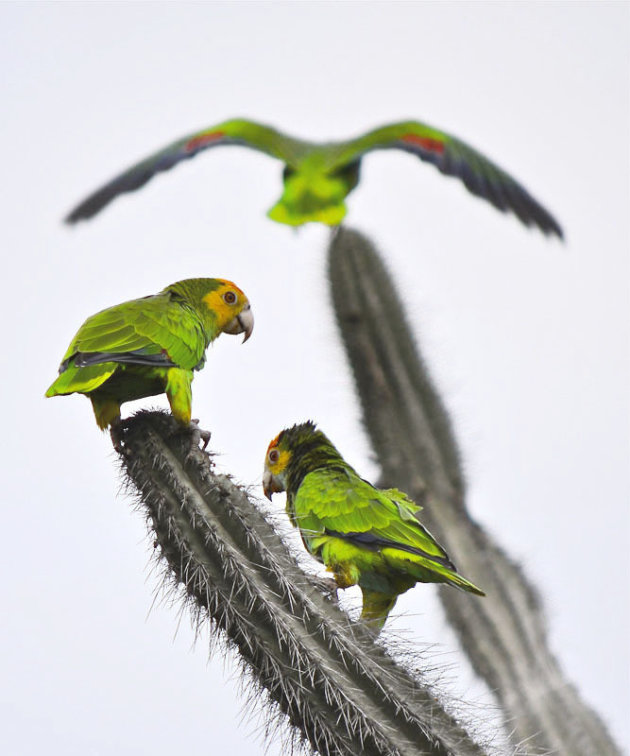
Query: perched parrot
x=151, y=345
x=364, y=535
x=318, y=177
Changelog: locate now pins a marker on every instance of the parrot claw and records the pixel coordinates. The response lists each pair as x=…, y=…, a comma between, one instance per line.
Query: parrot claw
x=115, y=433
x=328, y=587
x=198, y=435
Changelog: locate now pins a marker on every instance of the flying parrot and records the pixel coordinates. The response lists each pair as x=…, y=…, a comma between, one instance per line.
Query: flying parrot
x=364, y=535
x=151, y=346
x=318, y=176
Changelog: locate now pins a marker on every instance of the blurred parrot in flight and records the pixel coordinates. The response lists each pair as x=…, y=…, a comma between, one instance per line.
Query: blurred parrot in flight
x=318, y=176
x=151, y=346
x=364, y=536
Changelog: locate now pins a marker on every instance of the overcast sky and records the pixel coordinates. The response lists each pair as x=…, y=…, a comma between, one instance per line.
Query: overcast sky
x=527, y=338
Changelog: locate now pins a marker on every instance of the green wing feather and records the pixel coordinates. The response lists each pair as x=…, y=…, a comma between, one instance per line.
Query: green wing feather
x=332, y=501
x=452, y=157
x=339, y=504
x=83, y=380
x=154, y=331
x=236, y=131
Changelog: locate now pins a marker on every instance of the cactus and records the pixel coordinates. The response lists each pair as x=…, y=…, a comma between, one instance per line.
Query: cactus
x=503, y=635
x=341, y=693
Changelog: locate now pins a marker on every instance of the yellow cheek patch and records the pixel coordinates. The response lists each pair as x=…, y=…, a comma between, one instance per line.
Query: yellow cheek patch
x=283, y=460
x=225, y=312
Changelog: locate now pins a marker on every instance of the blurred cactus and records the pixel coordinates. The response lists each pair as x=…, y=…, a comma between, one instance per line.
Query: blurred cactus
x=504, y=635
x=342, y=693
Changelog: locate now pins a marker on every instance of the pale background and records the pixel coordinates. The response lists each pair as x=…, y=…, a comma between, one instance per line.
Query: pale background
x=527, y=338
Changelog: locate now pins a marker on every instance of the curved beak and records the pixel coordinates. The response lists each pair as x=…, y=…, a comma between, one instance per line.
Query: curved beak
x=270, y=485
x=242, y=323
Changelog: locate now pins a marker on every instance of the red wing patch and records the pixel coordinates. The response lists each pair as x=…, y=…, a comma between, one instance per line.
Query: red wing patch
x=426, y=143
x=201, y=140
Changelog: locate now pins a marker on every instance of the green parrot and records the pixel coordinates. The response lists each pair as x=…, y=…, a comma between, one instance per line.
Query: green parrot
x=318, y=176
x=151, y=346
x=364, y=535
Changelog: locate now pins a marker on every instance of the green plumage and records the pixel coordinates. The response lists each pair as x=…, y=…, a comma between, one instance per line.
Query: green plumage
x=149, y=346
x=365, y=536
x=318, y=176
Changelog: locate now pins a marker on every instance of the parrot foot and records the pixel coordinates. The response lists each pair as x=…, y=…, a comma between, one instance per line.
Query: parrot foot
x=198, y=435
x=327, y=586
x=115, y=433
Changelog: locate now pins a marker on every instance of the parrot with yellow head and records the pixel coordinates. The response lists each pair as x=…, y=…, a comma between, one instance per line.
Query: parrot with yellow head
x=150, y=346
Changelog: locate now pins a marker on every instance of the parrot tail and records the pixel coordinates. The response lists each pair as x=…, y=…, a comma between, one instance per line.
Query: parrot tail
x=460, y=582
x=376, y=608
x=81, y=380
x=106, y=411
x=429, y=571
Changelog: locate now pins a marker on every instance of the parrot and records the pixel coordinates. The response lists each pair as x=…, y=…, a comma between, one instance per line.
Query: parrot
x=318, y=176
x=150, y=346
x=365, y=536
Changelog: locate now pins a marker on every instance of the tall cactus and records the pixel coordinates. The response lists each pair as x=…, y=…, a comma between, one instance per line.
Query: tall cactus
x=504, y=635
x=342, y=693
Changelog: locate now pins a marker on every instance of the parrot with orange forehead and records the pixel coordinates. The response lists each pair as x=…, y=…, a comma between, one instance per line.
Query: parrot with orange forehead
x=318, y=176
x=364, y=535
x=150, y=346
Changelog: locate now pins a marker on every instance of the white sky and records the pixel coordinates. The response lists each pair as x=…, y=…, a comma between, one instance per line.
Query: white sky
x=527, y=338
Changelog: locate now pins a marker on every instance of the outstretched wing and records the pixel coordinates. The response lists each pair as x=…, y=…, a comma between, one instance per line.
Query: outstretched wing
x=234, y=132
x=151, y=331
x=455, y=158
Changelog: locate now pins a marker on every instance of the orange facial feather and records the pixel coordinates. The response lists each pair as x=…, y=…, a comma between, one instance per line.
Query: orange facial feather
x=283, y=457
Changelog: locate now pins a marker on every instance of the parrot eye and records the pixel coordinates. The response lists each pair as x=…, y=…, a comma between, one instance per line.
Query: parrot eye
x=229, y=297
x=273, y=456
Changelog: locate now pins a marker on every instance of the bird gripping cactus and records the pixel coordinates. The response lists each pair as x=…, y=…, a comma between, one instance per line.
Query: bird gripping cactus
x=151, y=345
x=365, y=536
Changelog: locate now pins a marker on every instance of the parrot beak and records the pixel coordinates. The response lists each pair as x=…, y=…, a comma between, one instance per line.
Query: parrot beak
x=270, y=485
x=242, y=323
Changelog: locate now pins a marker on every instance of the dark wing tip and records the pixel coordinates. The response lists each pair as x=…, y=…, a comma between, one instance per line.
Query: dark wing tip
x=484, y=179
x=529, y=211
x=138, y=175
x=85, y=210
x=507, y=195
x=504, y=193
x=550, y=226
x=95, y=202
